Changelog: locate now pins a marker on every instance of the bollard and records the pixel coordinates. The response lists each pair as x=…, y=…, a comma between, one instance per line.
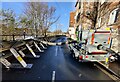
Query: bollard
x=13, y=37
x=24, y=34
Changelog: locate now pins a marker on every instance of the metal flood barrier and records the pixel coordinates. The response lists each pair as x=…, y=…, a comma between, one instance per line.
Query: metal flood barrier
x=18, y=53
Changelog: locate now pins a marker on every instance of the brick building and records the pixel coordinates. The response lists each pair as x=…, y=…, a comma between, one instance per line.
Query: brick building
x=109, y=17
x=85, y=14
x=72, y=26
x=101, y=14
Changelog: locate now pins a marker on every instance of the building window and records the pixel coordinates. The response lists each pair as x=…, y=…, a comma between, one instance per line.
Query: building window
x=113, y=16
x=117, y=15
x=102, y=1
x=87, y=12
x=78, y=17
x=99, y=22
x=79, y=5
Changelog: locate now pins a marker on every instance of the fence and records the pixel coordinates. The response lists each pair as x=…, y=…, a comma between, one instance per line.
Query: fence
x=14, y=37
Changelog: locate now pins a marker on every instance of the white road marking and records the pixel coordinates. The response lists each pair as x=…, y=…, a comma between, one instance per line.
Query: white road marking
x=80, y=75
x=39, y=77
x=56, y=51
x=53, y=76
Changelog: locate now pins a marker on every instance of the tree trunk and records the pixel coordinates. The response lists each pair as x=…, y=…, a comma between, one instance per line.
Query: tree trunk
x=96, y=14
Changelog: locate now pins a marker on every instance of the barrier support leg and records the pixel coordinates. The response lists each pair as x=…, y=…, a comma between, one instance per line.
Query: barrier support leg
x=33, y=53
x=19, y=58
x=43, y=46
x=21, y=53
x=38, y=47
x=5, y=62
x=46, y=44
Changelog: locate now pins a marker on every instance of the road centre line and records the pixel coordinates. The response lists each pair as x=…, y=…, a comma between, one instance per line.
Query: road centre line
x=53, y=76
x=56, y=51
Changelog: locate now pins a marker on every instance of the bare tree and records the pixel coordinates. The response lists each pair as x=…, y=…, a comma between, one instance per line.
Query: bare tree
x=8, y=20
x=41, y=15
x=58, y=31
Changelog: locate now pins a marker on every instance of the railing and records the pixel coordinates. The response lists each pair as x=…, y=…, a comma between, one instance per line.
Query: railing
x=14, y=37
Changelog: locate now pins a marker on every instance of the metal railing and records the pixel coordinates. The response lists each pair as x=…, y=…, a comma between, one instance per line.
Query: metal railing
x=14, y=37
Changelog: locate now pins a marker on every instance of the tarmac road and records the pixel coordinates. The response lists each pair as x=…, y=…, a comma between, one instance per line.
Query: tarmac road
x=56, y=63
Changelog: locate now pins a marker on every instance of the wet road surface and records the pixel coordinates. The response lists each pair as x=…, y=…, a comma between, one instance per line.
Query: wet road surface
x=56, y=63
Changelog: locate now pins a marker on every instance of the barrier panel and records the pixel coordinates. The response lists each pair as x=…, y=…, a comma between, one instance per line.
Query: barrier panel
x=17, y=50
x=21, y=64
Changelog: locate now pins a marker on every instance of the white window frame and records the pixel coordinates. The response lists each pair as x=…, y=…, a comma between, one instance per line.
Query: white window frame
x=99, y=22
x=102, y=1
x=112, y=16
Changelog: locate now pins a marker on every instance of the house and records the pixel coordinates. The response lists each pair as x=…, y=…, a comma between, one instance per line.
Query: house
x=71, y=29
x=85, y=16
x=101, y=14
x=109, y=18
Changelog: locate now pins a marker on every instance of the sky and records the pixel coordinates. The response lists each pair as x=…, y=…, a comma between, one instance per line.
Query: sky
x=63, y=10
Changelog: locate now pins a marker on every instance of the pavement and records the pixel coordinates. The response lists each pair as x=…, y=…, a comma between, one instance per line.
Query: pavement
x=115, y=66
x=55, y=64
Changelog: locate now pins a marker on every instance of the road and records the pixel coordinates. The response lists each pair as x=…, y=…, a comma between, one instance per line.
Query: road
x=56, y=63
